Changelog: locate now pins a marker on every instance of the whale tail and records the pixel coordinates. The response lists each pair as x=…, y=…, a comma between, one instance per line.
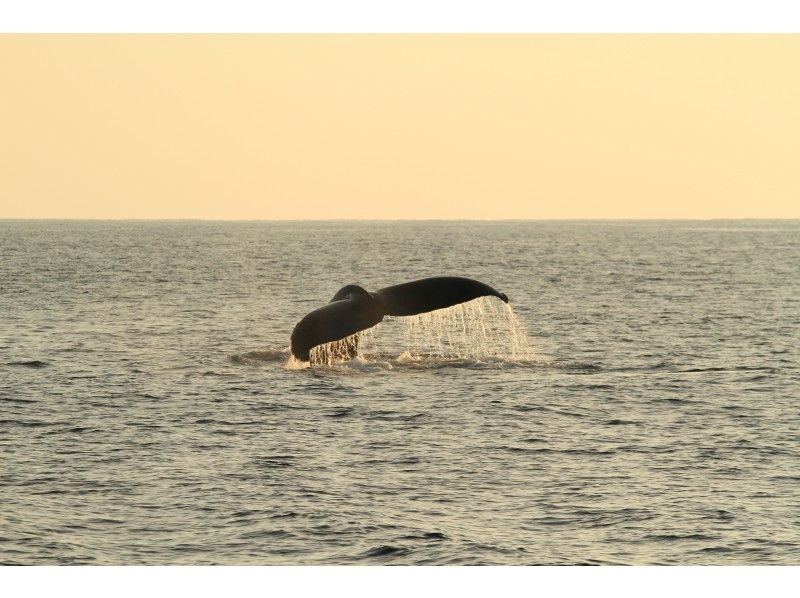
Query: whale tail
x=354, y=309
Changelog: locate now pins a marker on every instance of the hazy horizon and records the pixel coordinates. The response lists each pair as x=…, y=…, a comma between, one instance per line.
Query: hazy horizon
x=576, y=219
x=396, y=127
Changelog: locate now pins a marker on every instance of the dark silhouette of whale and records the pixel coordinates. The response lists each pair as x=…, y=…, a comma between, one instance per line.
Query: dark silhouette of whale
x=353, y=308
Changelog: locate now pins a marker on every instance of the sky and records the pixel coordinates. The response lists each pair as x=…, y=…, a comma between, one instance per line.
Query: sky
x=500, y=126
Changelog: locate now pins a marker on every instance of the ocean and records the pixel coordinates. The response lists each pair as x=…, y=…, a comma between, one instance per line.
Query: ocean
x=638, y=403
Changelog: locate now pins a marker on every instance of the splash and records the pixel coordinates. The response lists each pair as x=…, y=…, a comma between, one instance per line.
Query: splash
x=337, y=351
x=481, y=329
x=295, y=364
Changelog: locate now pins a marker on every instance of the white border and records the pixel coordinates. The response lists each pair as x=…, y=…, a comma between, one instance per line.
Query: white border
x=401, y=582
x=326, y=16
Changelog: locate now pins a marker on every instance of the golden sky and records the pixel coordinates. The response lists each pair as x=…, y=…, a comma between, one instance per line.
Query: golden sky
x=399, y=126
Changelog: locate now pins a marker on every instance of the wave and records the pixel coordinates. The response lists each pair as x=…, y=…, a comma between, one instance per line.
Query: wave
x=371, y=362
x=265, y=355
x=409, y=360
x=29, y=364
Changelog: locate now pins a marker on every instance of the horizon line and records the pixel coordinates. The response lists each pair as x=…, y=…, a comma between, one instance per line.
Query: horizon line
x=607, y=219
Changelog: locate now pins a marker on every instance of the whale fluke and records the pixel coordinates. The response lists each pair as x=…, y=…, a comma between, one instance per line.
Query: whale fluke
x=353, y=309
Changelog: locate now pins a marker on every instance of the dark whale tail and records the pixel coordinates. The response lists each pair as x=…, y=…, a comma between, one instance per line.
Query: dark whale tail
x=353, y=309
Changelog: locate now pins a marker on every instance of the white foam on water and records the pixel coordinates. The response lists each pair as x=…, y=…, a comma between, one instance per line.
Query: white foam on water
x=295, y=364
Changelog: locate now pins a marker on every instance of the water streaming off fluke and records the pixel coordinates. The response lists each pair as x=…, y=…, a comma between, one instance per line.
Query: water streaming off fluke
x=481, y=328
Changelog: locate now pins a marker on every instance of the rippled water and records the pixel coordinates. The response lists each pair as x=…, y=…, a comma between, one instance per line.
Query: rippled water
x=149, y=413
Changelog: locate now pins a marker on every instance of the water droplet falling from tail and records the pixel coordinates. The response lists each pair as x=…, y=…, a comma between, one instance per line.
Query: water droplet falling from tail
x=335, y=352
x=481, y=328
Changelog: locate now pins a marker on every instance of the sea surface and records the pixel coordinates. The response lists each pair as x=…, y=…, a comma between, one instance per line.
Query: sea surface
x=647, y=410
